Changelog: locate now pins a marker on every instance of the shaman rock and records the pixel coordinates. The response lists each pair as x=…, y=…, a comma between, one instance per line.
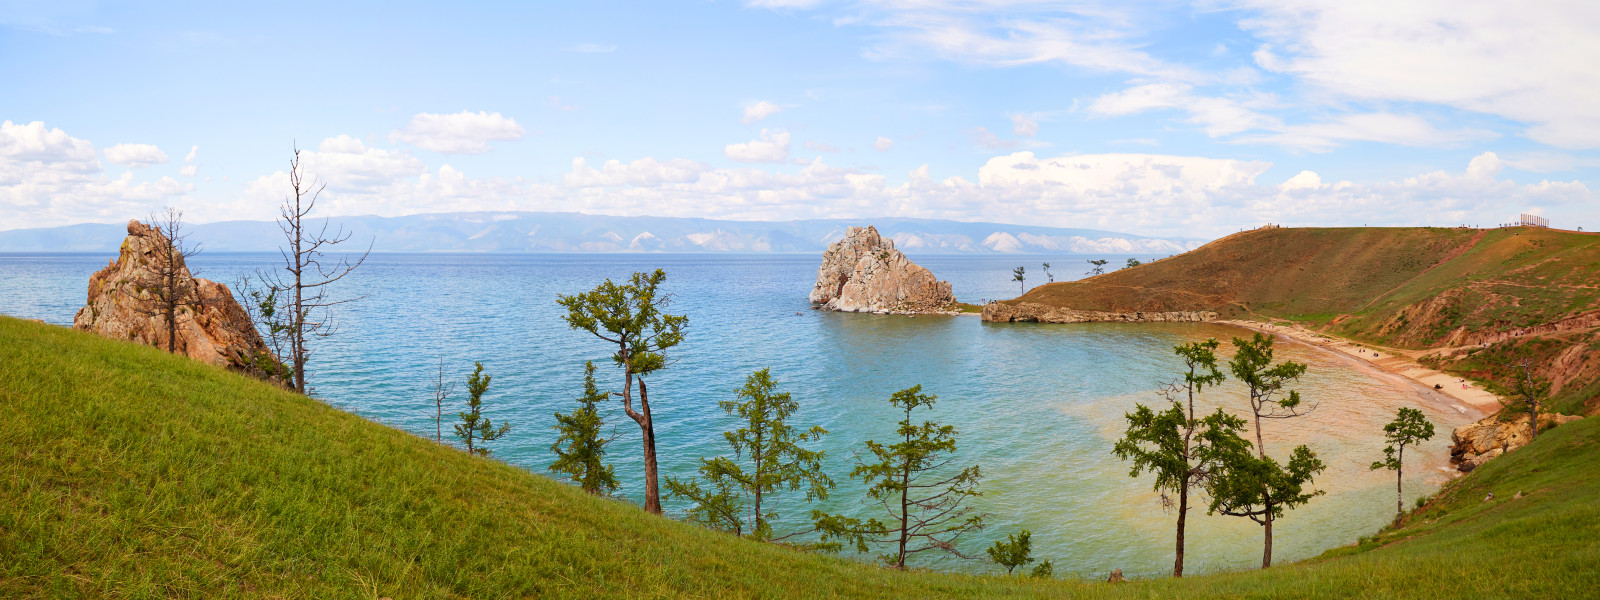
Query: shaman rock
x=865, y=273
x=211, y=326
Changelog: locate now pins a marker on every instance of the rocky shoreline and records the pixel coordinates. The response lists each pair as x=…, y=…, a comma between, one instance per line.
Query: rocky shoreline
x=1030, y=312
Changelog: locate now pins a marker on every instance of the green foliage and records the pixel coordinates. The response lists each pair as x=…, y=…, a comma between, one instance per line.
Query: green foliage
x=1096, y=267
x=580, y=447
x=1043, y=570
x=1014, y=551
x=1047, y=273
x=1019, y=275
x=1252, y=365
x=1132, y=262
x=1248, y=485
x=730, y=497
x=473, y=425
x=1408, y=428
x=630, y=316
x=923, y=504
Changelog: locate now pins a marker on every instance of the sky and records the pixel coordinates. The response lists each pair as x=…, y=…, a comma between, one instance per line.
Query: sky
x=1185, y=119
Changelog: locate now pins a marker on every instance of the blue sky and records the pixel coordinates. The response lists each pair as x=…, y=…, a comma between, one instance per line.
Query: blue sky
x=1161, y=118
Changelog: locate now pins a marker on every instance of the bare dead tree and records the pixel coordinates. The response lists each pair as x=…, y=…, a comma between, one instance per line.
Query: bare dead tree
x=305, y=278
x=170, y=282
x=441, y=392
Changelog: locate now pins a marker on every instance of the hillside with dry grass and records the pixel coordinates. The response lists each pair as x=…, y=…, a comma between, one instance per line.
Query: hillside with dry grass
x=1474, y=297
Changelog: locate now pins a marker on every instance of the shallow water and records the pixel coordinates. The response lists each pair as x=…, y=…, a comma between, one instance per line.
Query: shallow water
x=1038, y=406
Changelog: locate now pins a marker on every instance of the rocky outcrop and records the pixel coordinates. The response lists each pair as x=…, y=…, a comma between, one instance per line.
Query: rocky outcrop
x=865, y=273
x=1043, y=313
x=125, y=304
x=1474, y=444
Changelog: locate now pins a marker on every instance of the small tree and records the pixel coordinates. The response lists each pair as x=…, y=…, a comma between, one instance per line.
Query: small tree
x=1043, y=570
x=1266, y=383
x=1133, y=262
x=1047, y=274
x=473, y=424
x=1409, y=428
x=1096, y=267
x=1526, y=390
x=630, y=316
x=1014, y=552
x=924, y=507
x=171, y=284
x=740, y=499
x=1019, y=275
x=1258, y=488
x=441, y=393
x=1167, y=445
x=580, y=448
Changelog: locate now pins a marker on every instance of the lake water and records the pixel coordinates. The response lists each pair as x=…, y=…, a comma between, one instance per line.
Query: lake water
x=1037, y=406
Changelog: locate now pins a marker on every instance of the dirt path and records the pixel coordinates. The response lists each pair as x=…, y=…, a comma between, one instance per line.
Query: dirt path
x=1464, y=396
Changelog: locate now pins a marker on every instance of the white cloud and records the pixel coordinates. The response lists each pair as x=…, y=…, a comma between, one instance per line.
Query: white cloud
x=1024, y=125
x=460, y=133
x=193, y=150
x=757, y=111
x=1529, y=62
x=643, y=172
x=592, y=48
x=821, y=147
x=781, y=4
x=48, y=178
x=988, y=140
x=135, y=155
x=772, y=147
x=883, y=144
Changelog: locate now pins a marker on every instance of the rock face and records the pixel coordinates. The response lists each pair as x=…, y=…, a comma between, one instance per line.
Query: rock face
x=1474, y=444
x=864, y=273
x=1041, y=313
x=123, y=305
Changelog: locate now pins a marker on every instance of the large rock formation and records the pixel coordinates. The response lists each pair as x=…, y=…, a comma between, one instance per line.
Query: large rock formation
x=1043, y=313
x=211, y=326
x=864, y=273
x=1473, y=444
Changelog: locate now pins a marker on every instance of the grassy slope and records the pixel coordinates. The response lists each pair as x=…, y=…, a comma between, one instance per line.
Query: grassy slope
x=1409, y=287
x=131, y=473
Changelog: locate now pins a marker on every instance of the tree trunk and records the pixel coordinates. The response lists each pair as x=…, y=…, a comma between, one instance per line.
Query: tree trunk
x=1399, y=474
x=1183, y=513
x=905, y=505
x=652, y=492
x=1266, y=552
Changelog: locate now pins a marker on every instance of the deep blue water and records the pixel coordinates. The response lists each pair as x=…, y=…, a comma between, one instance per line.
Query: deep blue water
x=1037, y=405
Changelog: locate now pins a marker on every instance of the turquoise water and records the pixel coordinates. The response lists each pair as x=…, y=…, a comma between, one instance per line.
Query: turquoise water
x=1038, y=406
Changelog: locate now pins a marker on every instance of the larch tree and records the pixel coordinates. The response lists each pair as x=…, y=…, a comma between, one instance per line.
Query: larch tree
x=1020, y=275
x=1526, y=391
x=1014, y=551
x=441, y=393
x=308, y=271
x=1047, y=273
x=1269, y=399
x=1244, y=484
x=1171, y=444
x=1409, y=428
x=1096, y=267
x=580, y=447
x=630, y=316
x=474, y=426
x=739, y=494
x=924, y=500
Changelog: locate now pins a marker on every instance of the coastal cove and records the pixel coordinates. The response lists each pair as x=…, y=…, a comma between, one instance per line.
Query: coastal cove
x=1037, y=405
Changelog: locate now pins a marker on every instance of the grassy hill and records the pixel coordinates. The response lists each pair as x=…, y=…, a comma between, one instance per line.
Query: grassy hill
x=126, y=472
x=1528, y=289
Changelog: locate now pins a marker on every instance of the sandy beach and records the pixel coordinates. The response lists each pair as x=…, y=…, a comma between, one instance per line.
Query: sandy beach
x=1397, y=365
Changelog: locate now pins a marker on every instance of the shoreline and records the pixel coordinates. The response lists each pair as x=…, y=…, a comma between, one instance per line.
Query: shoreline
x=1465, y=397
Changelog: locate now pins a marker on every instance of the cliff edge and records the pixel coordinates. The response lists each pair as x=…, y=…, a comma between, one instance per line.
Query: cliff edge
x=865, y=273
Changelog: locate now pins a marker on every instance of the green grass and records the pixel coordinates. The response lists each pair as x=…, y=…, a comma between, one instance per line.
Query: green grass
x=131, y=473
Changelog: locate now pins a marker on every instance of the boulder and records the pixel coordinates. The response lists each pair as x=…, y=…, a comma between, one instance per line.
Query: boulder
x=865, y=273
x=212, y=327
x=1473, y=444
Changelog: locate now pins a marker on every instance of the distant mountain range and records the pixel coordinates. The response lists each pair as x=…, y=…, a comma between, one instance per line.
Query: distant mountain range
x=577, y=232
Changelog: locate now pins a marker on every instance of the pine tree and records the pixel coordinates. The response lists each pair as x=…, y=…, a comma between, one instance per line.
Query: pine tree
x=1014, y=551
x=580, y=447
x=922, y=500
x=1252, y=365
x=738, y=493
x=473, y=424
x=1409, y=428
